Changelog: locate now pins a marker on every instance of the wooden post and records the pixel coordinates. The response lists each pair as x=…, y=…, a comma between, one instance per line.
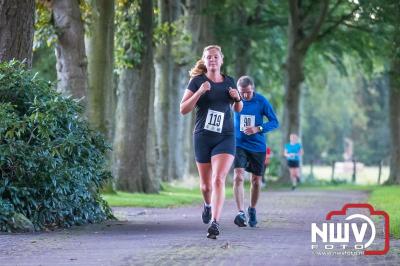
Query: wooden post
x=333, y=171
x=380, y=172
x=312, y=169
x=353, y=178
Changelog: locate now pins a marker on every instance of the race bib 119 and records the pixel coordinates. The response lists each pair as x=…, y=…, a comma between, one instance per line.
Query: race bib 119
x=247, y=121
x=214, y=121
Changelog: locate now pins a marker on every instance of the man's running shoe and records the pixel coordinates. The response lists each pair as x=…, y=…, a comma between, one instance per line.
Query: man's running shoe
x=252, y=216
x=206, y=215
x=213, y=230
x=240, y=219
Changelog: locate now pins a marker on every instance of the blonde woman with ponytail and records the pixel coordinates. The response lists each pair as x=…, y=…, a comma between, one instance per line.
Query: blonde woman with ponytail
x=213, y=96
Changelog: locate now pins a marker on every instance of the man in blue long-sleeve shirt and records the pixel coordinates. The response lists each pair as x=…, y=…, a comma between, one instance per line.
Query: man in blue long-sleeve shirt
x=250, y=146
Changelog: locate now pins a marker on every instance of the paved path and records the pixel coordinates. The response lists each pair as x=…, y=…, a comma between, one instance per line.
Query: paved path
x=177, y=237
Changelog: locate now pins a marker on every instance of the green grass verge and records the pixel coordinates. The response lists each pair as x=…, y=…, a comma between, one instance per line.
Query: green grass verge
x=170, y=196
x=387, y=198
x=338, y=187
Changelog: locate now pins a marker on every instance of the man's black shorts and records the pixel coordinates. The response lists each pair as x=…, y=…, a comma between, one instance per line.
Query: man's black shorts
x=252, y=162
x=293, y=163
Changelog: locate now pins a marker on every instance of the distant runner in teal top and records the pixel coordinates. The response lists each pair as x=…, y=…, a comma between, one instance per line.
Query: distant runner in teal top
x=293, y=153
x=250, y=129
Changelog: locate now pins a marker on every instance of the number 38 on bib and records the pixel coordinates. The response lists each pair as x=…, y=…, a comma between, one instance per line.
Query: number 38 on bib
x=247, y=121
x=214, y=121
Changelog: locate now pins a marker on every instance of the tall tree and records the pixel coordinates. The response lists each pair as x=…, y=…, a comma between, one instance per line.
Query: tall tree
x=391, y=14
x=181, y=54
x=135, y=58
x=70, y=48
x=299, y=42
x=201, y=24
x=100, y=50
x=308, y=23
x=200, y=20
x=164, y=67
x=241, y=24
x=174, y=58
x=16, y=30
x=394, y=103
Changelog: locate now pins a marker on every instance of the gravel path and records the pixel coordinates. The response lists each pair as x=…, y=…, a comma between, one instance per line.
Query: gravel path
x=176, y=236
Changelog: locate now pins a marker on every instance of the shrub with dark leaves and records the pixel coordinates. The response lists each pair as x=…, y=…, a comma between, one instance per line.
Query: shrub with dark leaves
x=52, y=165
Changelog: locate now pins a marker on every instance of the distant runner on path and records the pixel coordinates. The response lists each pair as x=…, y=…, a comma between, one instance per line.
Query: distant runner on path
x=293, y=153
x=213, y=95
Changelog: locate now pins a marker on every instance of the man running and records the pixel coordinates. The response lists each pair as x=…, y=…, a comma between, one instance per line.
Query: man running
x=250, y=146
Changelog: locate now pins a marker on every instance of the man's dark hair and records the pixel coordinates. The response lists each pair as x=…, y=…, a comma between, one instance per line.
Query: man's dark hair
x=245, y=81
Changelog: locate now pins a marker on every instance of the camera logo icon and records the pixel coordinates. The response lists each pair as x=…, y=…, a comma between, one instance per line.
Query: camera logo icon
x=354, y=228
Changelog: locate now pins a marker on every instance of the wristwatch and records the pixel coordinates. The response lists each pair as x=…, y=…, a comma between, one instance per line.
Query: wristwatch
x=238, y=101
x=260, y=128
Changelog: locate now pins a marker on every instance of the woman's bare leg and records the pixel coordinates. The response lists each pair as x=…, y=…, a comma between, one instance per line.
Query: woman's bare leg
x=221, y=163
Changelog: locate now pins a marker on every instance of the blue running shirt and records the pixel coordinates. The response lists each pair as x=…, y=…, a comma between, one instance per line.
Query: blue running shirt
x=252, y=114
x=293, y=149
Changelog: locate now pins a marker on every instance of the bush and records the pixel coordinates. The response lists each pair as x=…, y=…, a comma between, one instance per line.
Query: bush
x=51, y=164
x=274, y=165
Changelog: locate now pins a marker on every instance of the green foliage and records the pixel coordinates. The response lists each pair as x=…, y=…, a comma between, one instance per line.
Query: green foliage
x=128, y=37
x=354, y=107
x=51, y=163
x=44, y=62
x=45, y=32
x=163, y=31
x=182, y=43
x=260, y=29
x=274, y=166
x=180, y=39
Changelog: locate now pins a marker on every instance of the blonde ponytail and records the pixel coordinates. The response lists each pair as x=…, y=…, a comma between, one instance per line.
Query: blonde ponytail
x=198, y=69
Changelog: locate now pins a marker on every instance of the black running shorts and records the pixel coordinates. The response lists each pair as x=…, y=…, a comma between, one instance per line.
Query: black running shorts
x=206, y=146
x=252, y=162
x=293, y=163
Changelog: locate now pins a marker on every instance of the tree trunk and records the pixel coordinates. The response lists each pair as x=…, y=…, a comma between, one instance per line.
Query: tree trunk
x=131, y=139
x=152, y=160
x=291, y=112
x=164, y=72
x=298, y=43
x=101, y=90
x=100, y=49
x=70, y=49
x=394, y=107
x=178, y=124
x=242, y=44
x=200, y=25
x=16, y=30
x=242, y=57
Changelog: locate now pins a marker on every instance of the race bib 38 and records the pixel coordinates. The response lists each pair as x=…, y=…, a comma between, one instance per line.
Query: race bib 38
x=247, y=121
